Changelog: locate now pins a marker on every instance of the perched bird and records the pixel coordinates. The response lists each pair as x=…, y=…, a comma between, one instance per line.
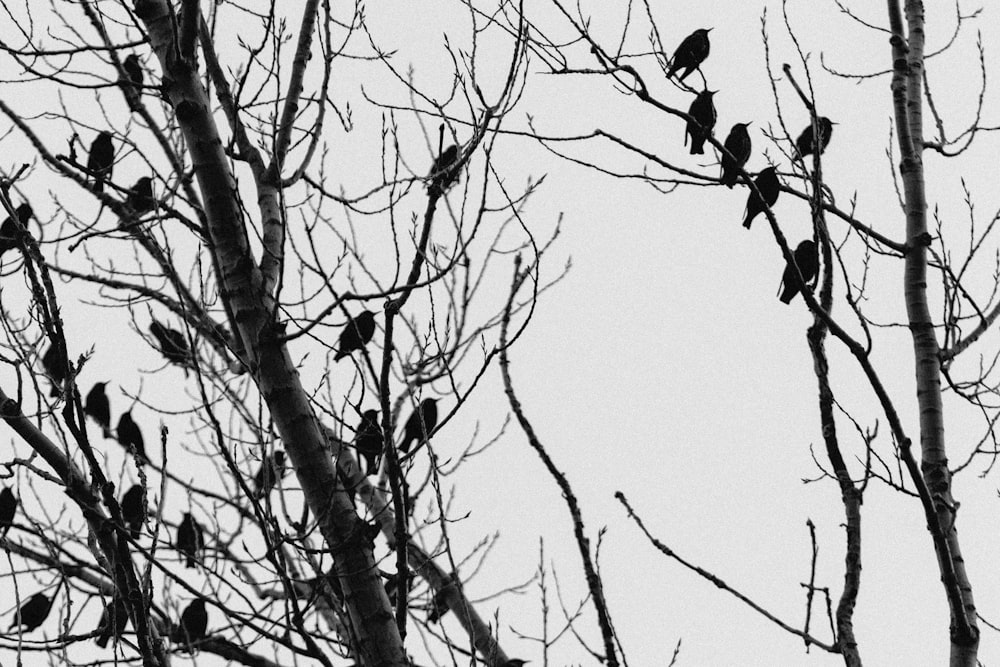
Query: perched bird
x=368, y=440
x=130, y=436
x=439, y=606
x=806, y=143
x=8, y=508
x=738, y=144
x=703, y=112
x=101, y=160
x=32, y=613
x=112, y=623
x=272, y=468
x=55, y=367
x=99, y=408
x=769, y=186
x=356, y=334
x=691, y=53
x=133, y=510
x=190, y=539
x=140, y=196
x=132, y=82
x=194, y=622
x=807, y=259
x=8, y=230
x=420, y=425
x=172, y=344
x=441, y=173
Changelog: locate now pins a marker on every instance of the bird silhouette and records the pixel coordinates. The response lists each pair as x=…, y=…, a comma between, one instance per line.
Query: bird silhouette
x=420, y=425
x=133, y=510
x=8, y=230
x=272, y=468
x=130, y=436
x=368, y=440
x=356, y=334
x=101, y=160
x=8, y=509
x=769, y=186
x=439, y=605
x=114, y=618
x=738, y=144
x=98, y=407
x=132, y=83
x=190, y=539
x=442, y=174
x=806, y=143
x=32, y=613
x=55, y=367
x=140, y=196
x=807, y=259
x=172, y=344
x=194, y=623
x=702, y=111
x=691, y=53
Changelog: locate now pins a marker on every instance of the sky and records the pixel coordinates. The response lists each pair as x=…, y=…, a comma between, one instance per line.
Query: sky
x=663, y=365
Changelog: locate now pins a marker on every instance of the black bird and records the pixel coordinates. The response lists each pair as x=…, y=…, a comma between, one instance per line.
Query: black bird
x=113, y=622
x=441, y=173
x=420, y=425
x=8, y=508
x=132, y=81
x=515, y=662
x=32, y=613
x=272, y=468
x=691, y=53
x=101, y=160
x=130, y=436
x=703, y=111
x=738, y=144
x=8, y=230
x=368, y=440
x=769, y=186
x=356, y=334
x=133, y=510
x=439, y=605
x=99, y=408
x=172, y=344
x=55, y=367
x=194, y=622
x=806, y=143
x=190, y=539
x=807, y=259
x=140, y=197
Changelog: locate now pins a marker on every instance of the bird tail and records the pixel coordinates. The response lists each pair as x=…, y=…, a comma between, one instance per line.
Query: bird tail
x=747, y=221
x=788, y=293
x=102, y=641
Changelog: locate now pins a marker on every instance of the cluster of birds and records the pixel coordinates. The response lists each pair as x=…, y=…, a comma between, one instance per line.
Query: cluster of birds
x=689, y=56
x=370, y=444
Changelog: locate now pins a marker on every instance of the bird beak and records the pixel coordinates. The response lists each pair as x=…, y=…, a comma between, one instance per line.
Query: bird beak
x=709, y=29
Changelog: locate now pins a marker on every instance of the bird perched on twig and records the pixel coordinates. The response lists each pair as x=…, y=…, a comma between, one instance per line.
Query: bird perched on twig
x=98, y=407
x=356, y=334
x=133, y=510
x=190, y=539
x=703, y=112
x=8, y=509
x=140, y=196
x=132, y=82
x=101, y=160
x=56, y=368
x=172, y=344
x=806, y=143
x=130, y=436
x=272, y=468
x=32, y=613
x=807, y=259
x=769, y=186
x=368, y=440
x=443, y=172
x=420, y=425
x=114, y=618
x=8, y=230
x=739, y=145
x=691, y=53
x=194, y=623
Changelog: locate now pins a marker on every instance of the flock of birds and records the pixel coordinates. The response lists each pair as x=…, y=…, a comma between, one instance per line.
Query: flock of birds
x=689, y=56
